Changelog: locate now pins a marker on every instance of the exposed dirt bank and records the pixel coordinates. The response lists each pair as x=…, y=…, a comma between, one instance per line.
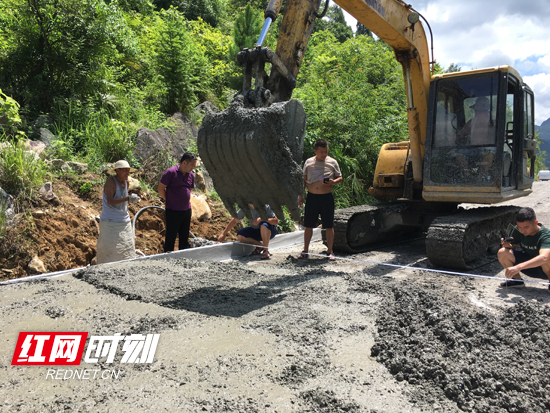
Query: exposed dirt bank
x=64, y=235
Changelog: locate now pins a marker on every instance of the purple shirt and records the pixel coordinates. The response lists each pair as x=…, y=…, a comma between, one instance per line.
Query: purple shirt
x=178, y=188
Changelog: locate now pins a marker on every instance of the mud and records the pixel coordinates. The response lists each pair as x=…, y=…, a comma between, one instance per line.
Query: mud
x=253, y=156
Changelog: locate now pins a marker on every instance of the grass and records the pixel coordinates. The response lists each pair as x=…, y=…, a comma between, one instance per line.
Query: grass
x=21, y=172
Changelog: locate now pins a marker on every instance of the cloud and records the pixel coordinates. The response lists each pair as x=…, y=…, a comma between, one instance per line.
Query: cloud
x=540, y=83
x=477, y=34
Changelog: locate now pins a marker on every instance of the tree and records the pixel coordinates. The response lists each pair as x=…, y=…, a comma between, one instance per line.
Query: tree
x=246, y=31
x=362, y=30
x=335, y=22
x=60, y=48
x=353, y=94
x=211, y=11
x=181, y=63
x=453, y=68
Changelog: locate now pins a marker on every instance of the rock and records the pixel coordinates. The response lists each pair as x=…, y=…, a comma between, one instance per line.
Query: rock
x=200, y=208
x=59, y=164
x=184, y=129
x=78, y=167
x=6, y=204
x=199, y=180
x=35, y=146
x=208, y=184
x=36, y=265
x=149, y=143
x=44, y=135
x=46, y=191
x=204, y=108
x=134, y=185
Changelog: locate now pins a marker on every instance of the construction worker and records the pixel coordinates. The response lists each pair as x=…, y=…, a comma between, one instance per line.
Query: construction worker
x=258, y=233
x=116, y=240
x=175, y=189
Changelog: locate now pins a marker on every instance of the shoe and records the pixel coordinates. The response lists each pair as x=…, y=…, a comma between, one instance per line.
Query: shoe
x=257, y=251
x=331, y=256
x=512, y=283
x=304, y=255
x=265, y=255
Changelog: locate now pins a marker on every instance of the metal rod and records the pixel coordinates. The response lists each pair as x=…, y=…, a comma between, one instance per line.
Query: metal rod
x=264, y=31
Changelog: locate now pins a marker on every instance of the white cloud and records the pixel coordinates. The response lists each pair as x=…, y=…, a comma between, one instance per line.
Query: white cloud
x=476, y=34
x=540, y=84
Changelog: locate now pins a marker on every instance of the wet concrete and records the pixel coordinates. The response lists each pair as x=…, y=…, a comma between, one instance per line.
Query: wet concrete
x=254, y=156
x=289, y=335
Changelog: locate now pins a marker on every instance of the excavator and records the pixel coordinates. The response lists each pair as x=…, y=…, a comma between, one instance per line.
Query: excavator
x=471, y=140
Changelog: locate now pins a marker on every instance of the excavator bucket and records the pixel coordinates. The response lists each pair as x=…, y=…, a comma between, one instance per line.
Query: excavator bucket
x=253, y=156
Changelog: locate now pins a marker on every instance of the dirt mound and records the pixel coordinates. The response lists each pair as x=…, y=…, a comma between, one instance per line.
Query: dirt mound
x=482, y=362
x=63, y=234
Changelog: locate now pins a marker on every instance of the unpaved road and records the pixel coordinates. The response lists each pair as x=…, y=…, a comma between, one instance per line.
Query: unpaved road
x=288, y=335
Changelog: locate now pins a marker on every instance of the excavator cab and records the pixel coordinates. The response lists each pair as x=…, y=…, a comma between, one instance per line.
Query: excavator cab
x=480, y=145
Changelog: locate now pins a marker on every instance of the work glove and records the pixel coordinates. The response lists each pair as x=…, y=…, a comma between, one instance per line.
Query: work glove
x=134, y=198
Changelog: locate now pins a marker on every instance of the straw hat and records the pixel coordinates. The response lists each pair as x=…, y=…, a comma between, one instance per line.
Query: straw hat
x=119, y=165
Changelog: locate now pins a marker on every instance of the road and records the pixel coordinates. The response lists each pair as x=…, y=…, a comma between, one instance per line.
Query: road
x=289, y=335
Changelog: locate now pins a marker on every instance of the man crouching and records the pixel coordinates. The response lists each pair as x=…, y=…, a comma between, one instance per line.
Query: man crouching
x=533, y=256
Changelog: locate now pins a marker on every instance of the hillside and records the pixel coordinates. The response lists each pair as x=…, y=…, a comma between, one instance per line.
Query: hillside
x=544, y=134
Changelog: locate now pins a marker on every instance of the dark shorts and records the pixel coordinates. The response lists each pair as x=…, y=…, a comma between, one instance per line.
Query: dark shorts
x=319, y=204
x=254, y=233
x=536, y=272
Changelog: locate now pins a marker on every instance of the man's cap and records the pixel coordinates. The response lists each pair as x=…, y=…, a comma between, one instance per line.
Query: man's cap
x=120, y=165
x=482, y=103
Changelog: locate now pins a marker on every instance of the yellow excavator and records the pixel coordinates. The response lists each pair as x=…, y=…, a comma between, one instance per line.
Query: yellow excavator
x=471, y=140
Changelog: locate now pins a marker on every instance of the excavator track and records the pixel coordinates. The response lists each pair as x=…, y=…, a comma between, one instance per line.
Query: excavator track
x=358, y=228
x=461, y=240
x=456, y=238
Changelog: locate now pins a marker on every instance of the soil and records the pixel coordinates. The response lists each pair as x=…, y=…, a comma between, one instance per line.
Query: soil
x=287, y=335
x=63, y=234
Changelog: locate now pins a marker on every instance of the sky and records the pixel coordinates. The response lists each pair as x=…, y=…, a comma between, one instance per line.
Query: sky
x=482, y=33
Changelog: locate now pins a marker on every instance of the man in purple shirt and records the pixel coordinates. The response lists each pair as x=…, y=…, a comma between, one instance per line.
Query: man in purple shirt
x=175, y=189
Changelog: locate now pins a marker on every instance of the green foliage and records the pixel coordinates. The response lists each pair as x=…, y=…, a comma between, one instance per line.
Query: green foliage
x=21, y=173
x=246, y=31
x=109, y=139
x=58, y=48
x=215, y=47
x=354, y=97
x=9, y=115
x=541, y=156
x=210, y=11
x=181, y=63
x=86, y=188
x=214, y=196
x=362, y=30
x=286, y=224
x=334, y=22
x=453, y=68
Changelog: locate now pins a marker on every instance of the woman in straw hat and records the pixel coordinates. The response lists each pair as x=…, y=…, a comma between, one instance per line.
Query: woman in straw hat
x=116, y=238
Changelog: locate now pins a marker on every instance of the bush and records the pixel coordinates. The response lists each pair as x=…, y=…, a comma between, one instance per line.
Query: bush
x=21, y=173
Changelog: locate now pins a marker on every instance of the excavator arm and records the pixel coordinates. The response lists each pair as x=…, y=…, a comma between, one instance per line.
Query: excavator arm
x=253, y=149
